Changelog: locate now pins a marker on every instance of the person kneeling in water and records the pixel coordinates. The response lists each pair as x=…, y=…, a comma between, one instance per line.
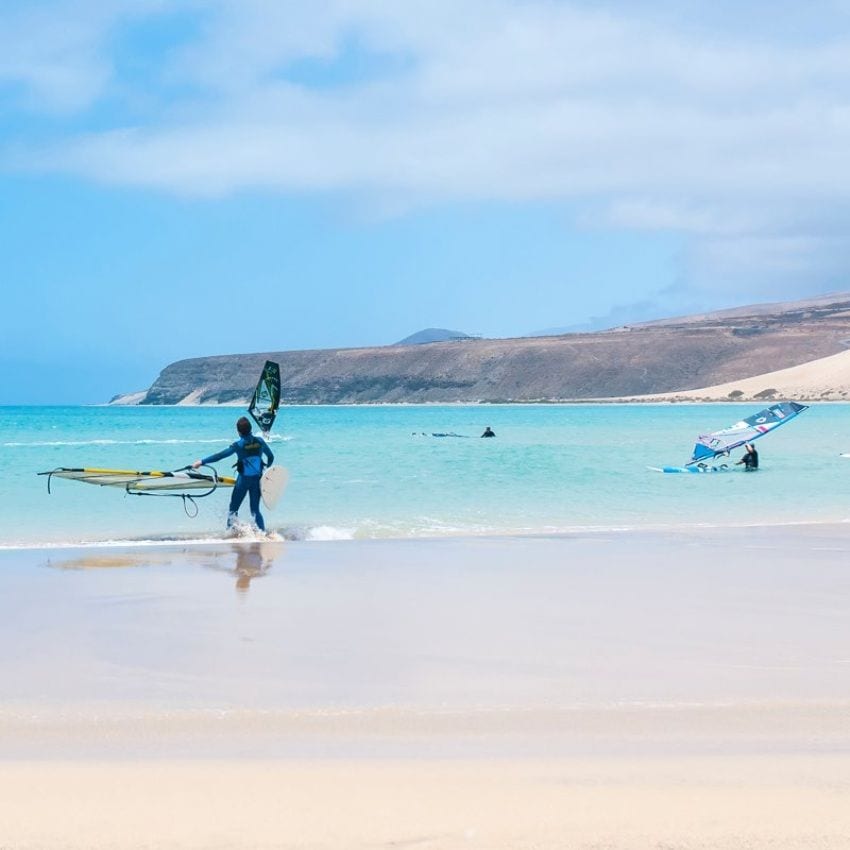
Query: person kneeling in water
x=750, y=458
x=249, y=463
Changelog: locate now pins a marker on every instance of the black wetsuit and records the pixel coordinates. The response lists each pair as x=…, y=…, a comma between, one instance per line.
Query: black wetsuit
x=751, y=460
x=489, y=433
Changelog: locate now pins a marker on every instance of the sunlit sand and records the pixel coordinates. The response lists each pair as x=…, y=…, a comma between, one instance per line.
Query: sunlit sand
x=617, y=690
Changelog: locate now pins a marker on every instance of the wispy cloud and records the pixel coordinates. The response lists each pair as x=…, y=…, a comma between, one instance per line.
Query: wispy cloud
x=56, y=55
x=738, y=138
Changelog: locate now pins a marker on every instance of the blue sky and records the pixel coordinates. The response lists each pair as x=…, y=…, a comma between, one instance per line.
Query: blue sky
x=181, y=178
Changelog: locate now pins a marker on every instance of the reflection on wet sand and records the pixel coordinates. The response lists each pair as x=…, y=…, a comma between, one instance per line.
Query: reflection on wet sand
x=245, y=560
x=117, y=560
x=253, y=560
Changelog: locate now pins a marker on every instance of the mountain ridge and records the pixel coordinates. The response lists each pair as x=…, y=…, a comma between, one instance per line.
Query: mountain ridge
x=663, y=356
x=429, y=335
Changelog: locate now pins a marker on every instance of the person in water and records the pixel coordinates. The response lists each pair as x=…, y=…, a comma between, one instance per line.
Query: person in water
x=249, y=451
x=488, y=432
x=750, y=458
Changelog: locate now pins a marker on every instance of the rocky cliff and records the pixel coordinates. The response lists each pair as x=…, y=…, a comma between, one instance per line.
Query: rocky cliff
x=658, y=357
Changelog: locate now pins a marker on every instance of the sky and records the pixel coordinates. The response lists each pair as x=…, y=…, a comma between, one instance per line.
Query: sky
x=181, y=178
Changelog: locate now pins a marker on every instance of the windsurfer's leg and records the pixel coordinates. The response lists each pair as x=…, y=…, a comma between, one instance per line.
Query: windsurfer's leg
x=254, y=502
x=236, y=499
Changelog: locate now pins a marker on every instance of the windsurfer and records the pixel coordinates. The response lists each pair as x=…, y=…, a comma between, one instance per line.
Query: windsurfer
x=249, y=451
x=750, y=458
x=488, y=432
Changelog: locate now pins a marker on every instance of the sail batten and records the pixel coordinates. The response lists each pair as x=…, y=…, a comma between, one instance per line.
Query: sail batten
x=142, y=482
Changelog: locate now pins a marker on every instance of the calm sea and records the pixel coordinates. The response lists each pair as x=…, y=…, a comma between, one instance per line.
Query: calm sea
x=377, y=472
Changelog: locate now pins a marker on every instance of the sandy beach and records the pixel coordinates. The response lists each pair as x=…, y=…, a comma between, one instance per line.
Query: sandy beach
x=272, y=271
x=627, y=689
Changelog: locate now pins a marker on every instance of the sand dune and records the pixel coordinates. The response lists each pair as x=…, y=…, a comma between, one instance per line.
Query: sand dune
x=825, y=379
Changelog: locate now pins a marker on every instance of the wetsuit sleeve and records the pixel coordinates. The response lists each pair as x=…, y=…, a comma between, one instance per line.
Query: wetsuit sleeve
x=267, y=452
x=230, y=450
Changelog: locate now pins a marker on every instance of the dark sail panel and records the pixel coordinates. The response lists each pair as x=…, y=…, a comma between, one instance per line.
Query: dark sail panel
x=266, y=400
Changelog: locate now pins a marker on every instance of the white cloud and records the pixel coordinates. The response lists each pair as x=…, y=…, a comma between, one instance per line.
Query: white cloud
x=642, y=119
x=54, y=61
x=768, y=266
x=56, y=54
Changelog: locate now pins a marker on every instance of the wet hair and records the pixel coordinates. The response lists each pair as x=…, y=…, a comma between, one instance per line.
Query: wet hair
x=243, y=426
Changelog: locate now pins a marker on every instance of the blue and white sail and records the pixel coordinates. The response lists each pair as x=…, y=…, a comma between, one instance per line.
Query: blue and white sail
x=720, y=443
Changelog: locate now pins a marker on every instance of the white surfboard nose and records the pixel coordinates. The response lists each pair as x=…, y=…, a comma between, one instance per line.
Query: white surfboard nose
x=272, y=485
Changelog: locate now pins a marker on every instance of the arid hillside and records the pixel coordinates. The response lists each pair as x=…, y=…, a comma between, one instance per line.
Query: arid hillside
x=657, y=357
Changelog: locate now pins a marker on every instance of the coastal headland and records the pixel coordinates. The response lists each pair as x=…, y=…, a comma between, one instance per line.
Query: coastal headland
x=739, y=354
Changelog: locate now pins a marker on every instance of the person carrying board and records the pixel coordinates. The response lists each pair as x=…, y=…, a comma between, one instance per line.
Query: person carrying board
x=249, y=450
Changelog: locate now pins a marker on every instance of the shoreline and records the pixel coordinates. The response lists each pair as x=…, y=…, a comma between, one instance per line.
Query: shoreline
x=565, y=533
x=658, y=399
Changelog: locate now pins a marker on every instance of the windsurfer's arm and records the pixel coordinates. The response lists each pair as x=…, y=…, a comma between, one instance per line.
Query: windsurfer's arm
x=217, y=456
x=267, y=452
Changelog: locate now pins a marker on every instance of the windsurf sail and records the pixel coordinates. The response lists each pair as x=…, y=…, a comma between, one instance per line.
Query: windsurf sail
x=182, y=484
x=266, y=400
x=720, y=443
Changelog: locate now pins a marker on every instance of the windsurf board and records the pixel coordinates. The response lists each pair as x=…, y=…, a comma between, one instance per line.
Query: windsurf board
x=272, y=485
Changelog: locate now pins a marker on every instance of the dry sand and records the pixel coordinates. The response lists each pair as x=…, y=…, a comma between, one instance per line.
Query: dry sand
x=598, y=691
x=826, y=379
x=711, y=804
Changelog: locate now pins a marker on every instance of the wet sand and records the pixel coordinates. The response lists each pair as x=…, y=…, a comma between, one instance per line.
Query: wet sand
x=608, y=690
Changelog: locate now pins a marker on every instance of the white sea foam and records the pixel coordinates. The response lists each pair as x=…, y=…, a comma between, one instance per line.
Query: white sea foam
x=134, y=542
x=243, y=533
x=374, y=531
x=278, y=438
x=329, y=532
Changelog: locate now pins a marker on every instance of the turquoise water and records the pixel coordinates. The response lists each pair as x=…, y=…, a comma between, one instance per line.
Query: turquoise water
x=369, y=472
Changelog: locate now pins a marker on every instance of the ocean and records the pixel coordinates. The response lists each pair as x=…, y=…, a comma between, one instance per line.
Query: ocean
x=377, y=471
